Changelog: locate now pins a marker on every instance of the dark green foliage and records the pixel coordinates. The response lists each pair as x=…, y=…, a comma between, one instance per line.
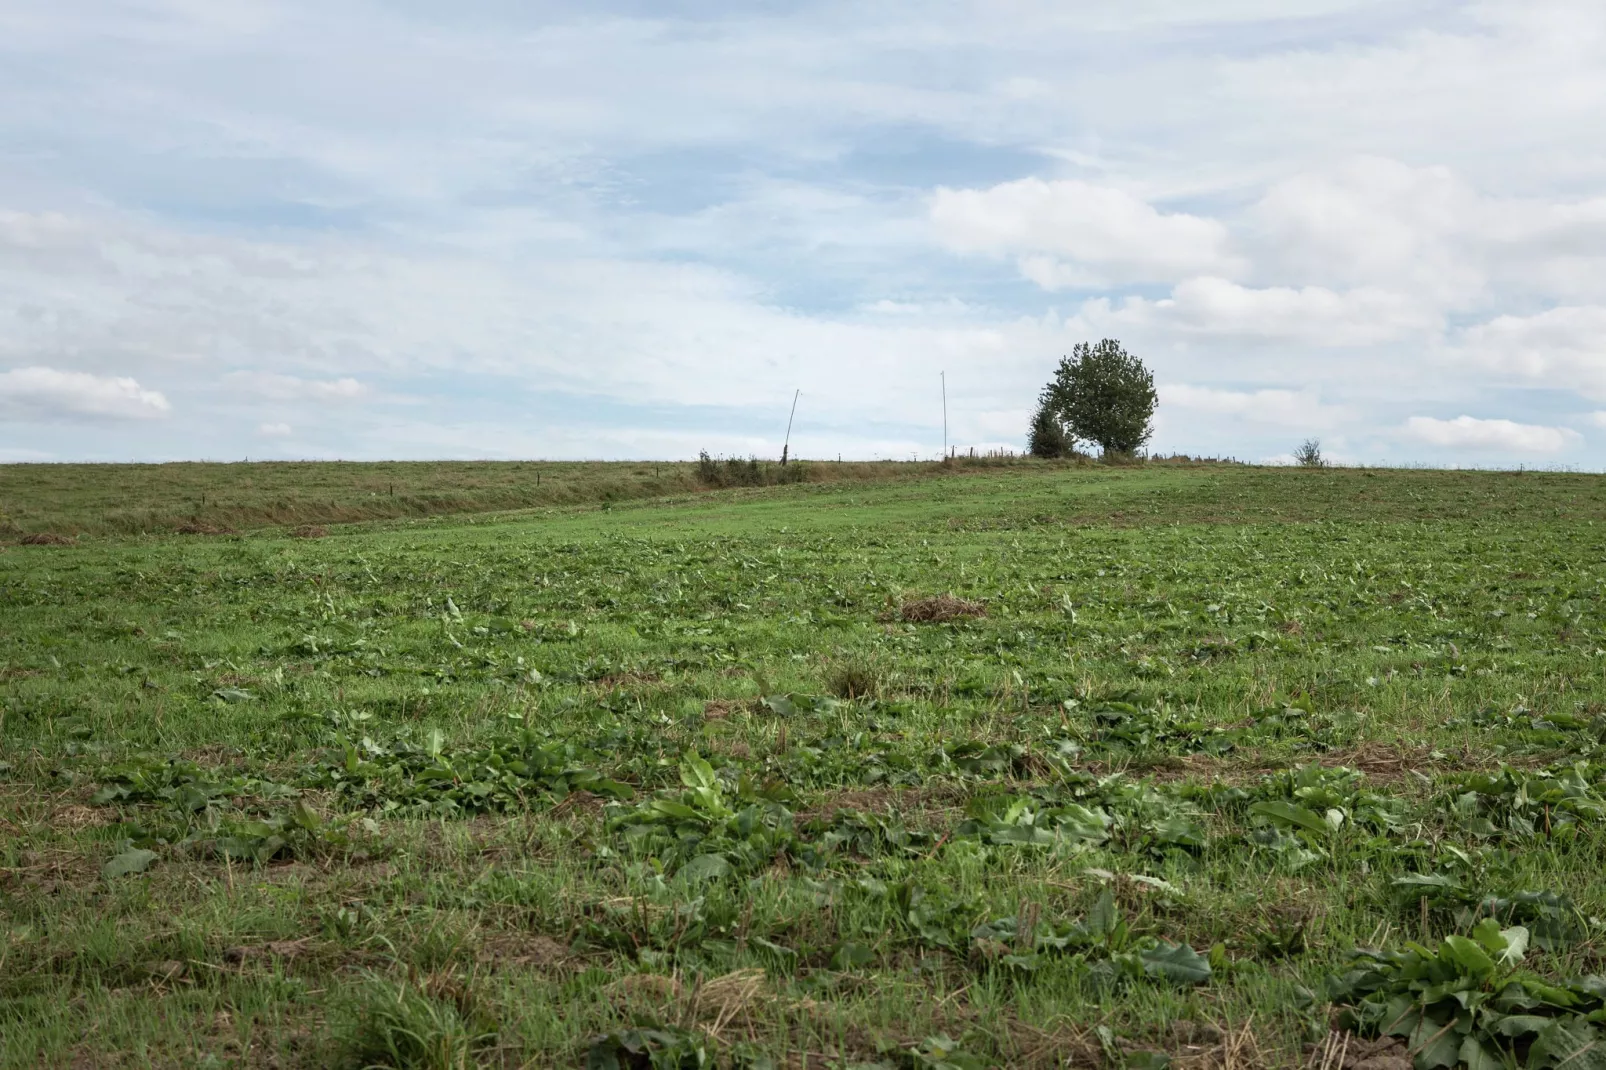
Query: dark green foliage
x=649, y=1048
x=735, y=472
x=1470, y=1003
x=1105, y=395
x=1047, y=437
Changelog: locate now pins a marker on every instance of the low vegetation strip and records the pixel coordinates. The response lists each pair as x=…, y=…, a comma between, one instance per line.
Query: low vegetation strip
x=697, y=787
x=63, y=500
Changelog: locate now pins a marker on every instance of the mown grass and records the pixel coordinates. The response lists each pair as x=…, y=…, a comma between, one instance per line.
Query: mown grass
x=678, y=781
x=124, y=499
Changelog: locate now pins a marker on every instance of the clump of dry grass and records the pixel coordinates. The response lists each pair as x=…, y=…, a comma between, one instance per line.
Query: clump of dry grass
x=47, y=538
x=940, y=607
x=309, y=531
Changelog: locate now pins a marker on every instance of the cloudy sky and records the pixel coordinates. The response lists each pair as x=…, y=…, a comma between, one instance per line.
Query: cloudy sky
x=502, y=228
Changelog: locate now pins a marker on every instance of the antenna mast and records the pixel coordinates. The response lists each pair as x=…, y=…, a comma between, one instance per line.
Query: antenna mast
x=788, y=443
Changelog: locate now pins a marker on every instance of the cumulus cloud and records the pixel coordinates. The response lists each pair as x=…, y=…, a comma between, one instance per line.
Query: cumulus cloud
x=1489, y=436
x=1311, y=315
x=273, y=430
x=1563, y=347
x=1427, y=231
x=1078, y=235
x=1278, y=408
x=44, y=394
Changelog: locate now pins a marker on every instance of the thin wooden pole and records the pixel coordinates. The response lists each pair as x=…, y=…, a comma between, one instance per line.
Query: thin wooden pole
x=788, y=443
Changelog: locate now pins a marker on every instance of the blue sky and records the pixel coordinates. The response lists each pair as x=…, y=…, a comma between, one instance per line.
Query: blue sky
x=238, y=229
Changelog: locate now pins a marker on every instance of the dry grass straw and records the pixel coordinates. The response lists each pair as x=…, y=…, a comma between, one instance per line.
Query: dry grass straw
x=941, y=607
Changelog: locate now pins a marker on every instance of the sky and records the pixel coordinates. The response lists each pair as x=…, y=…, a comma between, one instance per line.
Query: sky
x=511, y=229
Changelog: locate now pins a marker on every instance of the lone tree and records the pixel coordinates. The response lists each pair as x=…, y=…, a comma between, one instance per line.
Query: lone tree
x=1047, y=436
x=1104, y=394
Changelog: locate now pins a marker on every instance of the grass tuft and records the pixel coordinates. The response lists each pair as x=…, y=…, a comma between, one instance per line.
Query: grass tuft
x=402, y=1026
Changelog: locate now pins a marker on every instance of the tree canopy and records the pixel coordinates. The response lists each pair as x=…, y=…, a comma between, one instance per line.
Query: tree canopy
x=1103, y=394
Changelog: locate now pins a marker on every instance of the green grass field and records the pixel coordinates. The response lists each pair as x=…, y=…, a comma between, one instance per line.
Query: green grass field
x=679, y=783
x=127, y=499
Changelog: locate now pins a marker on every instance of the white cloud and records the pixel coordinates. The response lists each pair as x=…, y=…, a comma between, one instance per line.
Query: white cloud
x=1311, y=315
x=1469, y=433
x=275, y=430
x=1078, y=235
x=1597, y=418
x=1277, y=408
x=272, y=387
x=1563, y=347
x=42, y=394
x=1426, y=231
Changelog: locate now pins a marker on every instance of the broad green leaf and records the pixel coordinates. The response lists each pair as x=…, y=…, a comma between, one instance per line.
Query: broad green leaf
x=1487, y=932
x=1177, y=963
x=697, y=773
x=1435, y=1045
x=1474, y=1055
x=1516, y=1025
x=1285, y=813
x=1516, y=939
x=133, y=860
x=1468, y=955
x=704, y=868
x=1574, y=1045
x=1104, y=916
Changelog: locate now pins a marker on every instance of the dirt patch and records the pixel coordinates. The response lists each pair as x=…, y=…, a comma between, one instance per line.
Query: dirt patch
x=1389, y=763
x=310, y=531
x=73, y=817
x=939, y=608
x=920, y=805
x=527, y=950
x=722, y=709
x=1346, y=1051
x=48, y=538
x=283, y=950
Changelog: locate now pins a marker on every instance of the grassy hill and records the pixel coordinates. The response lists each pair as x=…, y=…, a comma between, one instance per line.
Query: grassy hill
x=1025, y=766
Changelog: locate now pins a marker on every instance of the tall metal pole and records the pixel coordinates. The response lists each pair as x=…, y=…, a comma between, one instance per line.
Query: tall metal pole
x=788, y=443
x=944, y=414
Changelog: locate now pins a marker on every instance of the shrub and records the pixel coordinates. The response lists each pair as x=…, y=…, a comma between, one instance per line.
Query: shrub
x=1309, y=454
x=735, y=472
x=1047, y=436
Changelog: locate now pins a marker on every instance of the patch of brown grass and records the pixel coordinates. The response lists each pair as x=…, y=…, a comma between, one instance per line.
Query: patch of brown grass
x=47, y=538
x=309, y=531
x=522, y=949
x=940, y=607
x=197, y=528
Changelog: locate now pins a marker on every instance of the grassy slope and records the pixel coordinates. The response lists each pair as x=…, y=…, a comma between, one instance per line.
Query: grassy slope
x=1430, y=622
x=98, y=499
